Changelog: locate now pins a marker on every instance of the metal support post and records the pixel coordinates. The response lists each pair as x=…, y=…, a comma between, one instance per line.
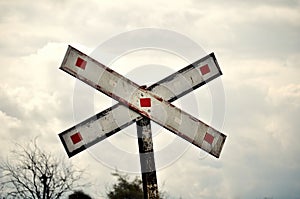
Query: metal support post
x=150, y=187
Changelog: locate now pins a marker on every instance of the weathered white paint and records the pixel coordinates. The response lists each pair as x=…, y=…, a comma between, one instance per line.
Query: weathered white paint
x=129, y=93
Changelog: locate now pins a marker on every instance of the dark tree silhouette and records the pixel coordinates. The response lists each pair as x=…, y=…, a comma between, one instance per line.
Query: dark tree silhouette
x=31, y=173
x=125, y=189
x=79, y=195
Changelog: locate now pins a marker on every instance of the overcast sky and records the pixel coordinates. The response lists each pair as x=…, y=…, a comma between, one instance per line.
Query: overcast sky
x=257, y=44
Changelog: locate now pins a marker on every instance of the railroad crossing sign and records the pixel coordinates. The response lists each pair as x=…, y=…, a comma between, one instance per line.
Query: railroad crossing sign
x=141, y=104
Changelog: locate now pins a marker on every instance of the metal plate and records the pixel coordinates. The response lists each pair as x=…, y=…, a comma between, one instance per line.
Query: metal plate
x=151, y=103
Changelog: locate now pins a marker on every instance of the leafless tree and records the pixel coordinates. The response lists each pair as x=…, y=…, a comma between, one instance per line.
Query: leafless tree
x=31, y=173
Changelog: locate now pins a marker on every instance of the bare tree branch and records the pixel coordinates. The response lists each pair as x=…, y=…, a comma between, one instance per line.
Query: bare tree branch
x=30, y=173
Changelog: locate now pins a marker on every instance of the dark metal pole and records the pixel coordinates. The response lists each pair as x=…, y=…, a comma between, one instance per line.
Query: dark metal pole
x=147, y=159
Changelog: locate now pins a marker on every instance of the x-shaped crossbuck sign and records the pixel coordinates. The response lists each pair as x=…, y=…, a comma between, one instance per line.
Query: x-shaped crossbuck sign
x=136, y=102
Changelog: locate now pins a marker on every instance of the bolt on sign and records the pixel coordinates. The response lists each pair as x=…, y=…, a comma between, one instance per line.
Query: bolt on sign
x=136, y=102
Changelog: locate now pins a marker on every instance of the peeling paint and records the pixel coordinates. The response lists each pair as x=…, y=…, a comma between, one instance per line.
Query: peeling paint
x=161, y=94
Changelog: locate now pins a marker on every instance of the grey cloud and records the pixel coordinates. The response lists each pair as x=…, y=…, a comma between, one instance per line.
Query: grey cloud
x=248, y=29
x=9, y=106
x=249, y=3
x=264, y=39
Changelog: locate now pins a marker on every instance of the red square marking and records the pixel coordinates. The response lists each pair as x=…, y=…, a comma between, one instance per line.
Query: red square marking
x=204, y=69
x=76, y=138
x=81, y=63
x=145, y=102
x=209, y=138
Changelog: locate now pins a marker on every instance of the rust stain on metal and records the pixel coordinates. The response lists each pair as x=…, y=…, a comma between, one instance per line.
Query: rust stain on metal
x=128, y=86
x=158, y=98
